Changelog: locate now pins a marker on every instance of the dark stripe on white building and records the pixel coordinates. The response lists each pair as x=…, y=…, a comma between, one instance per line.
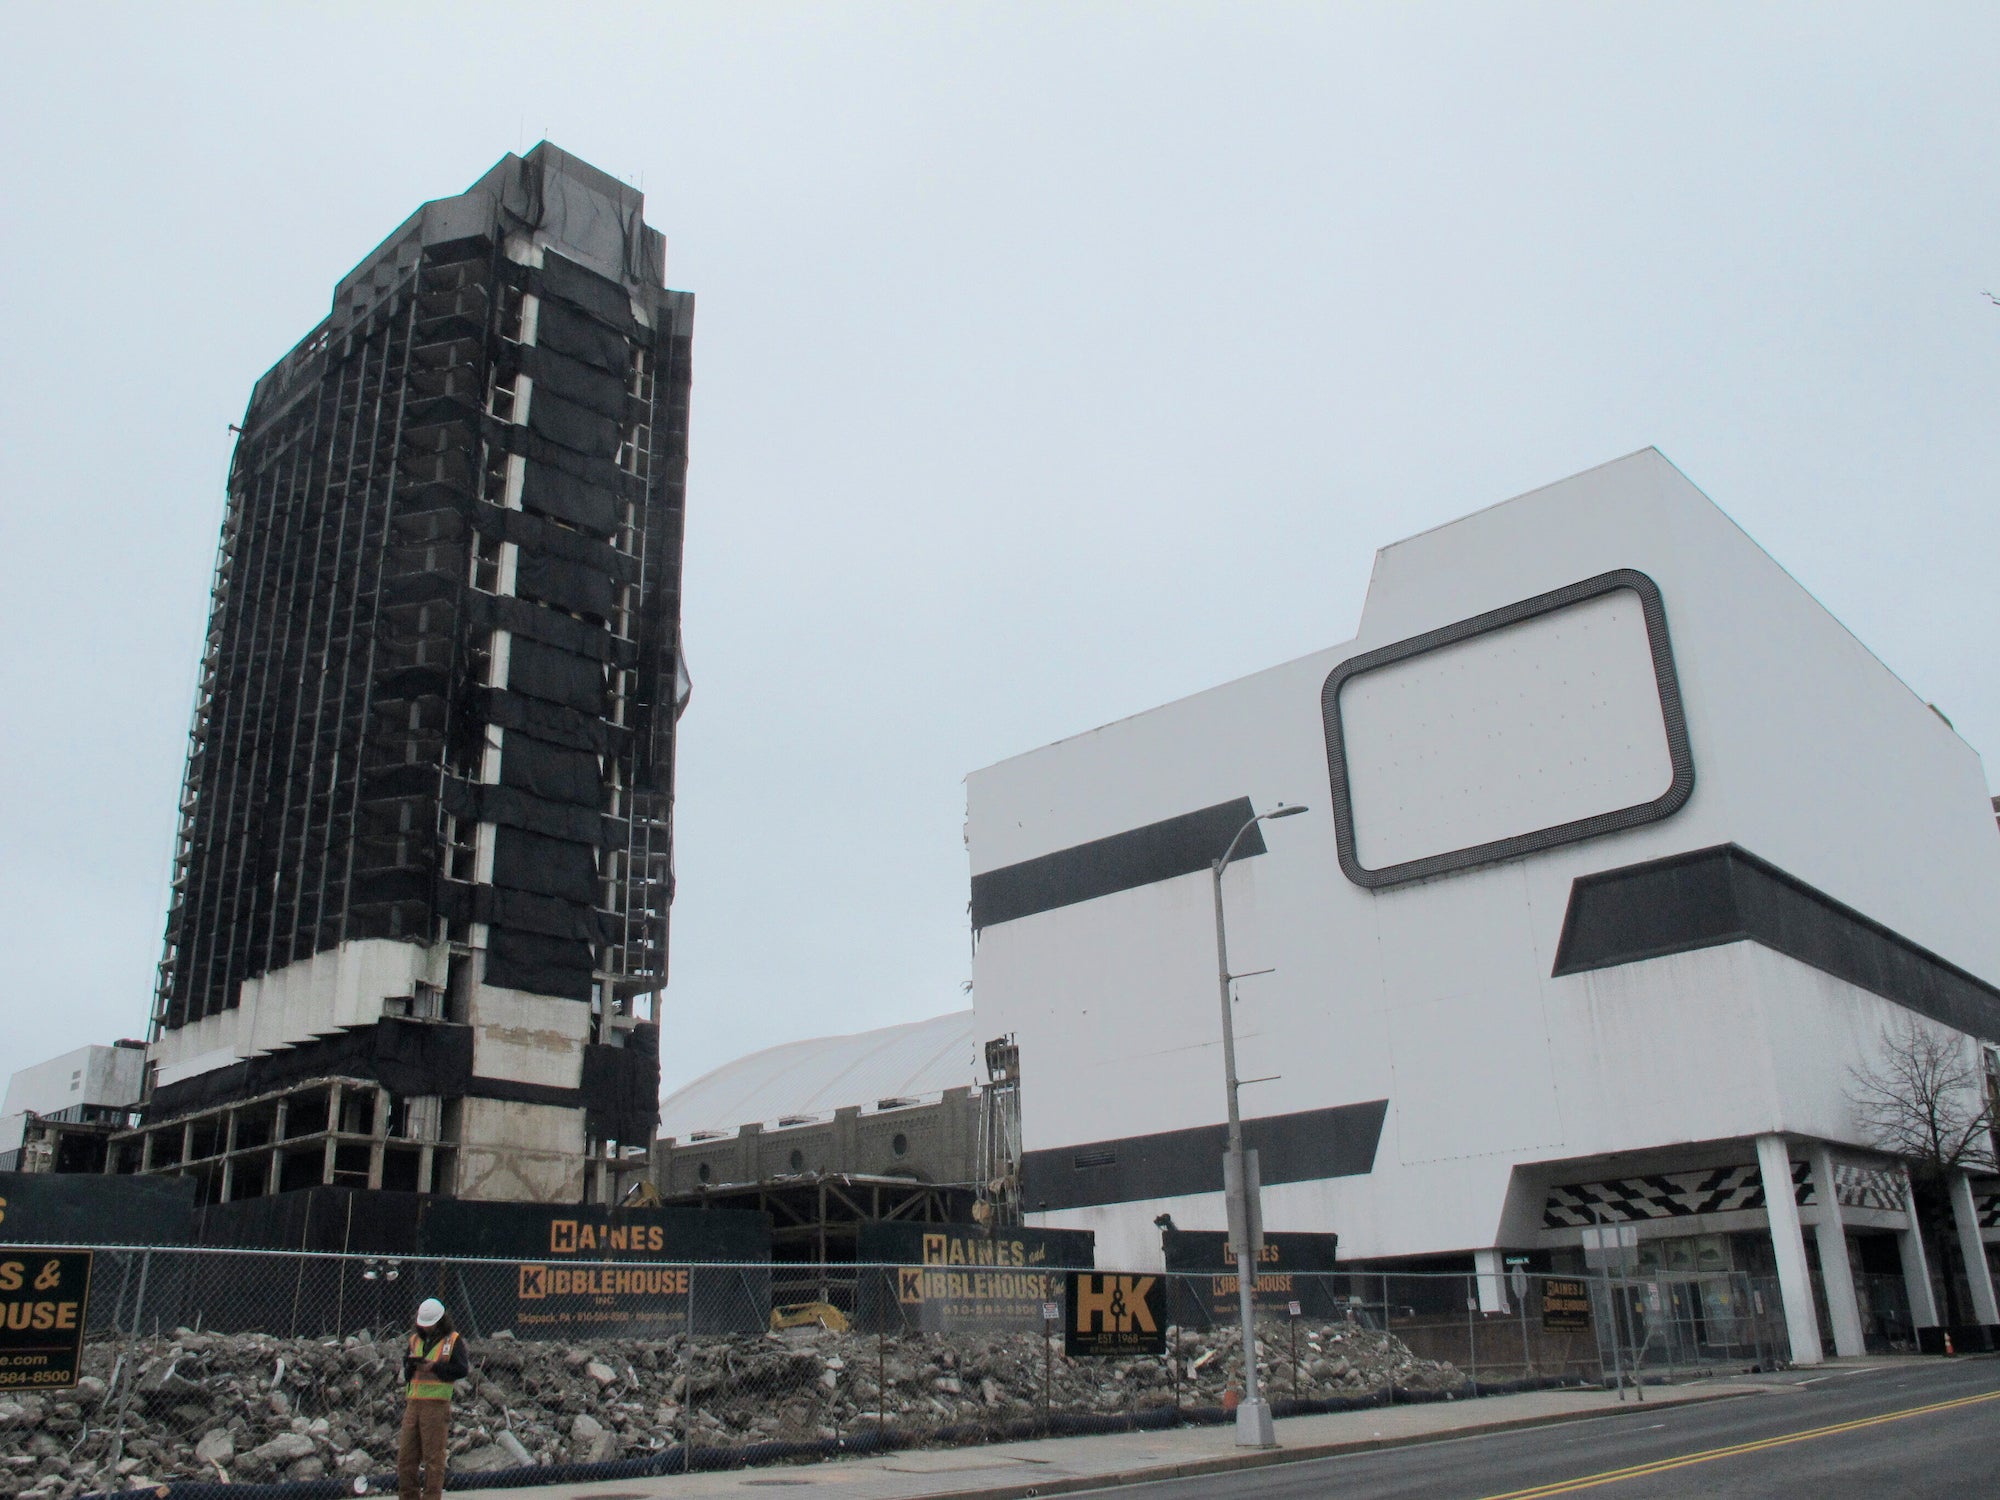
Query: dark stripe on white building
x=1728, y=895
x=1122, y=862
x=1303, y=1147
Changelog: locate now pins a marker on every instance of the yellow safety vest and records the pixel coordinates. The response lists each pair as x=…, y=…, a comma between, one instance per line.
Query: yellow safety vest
x=431, y=1390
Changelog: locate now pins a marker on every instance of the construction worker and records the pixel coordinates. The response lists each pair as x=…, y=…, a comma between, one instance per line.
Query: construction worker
x=436, y=1357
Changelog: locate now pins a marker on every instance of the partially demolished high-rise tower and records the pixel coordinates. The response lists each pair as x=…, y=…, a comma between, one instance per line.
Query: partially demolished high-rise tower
x=419, y=910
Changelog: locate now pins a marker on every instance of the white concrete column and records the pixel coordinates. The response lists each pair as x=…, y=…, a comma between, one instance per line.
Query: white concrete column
x=1788, y=1241
x=1843, y=1307
x=1492, y=1281
x=1916, y=1265
x=1973, y=1249
x=332, y=1135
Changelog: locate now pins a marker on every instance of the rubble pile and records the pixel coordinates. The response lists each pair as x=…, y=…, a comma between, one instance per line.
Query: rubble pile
x=256, y=1409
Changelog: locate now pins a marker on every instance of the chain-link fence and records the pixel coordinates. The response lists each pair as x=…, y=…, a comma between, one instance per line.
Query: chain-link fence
x=216, y=1366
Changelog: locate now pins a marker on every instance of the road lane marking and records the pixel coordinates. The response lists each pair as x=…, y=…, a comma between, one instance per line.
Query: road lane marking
x=1666, y=1465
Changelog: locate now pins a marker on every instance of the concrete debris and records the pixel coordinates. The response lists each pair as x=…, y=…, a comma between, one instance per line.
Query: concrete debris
x=217, y=1446
x=515, y=1450
x=207, y=1405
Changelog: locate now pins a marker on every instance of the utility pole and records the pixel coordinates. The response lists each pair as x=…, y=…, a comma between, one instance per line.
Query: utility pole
x=1254, y=1428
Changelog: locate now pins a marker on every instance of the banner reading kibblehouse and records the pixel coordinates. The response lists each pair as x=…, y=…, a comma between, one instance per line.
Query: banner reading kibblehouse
x=952, y=1278
x=1114, y=1313
x=44, y=1302
x=1565, y=1306
x=1295, y=1268
x=625, y=1273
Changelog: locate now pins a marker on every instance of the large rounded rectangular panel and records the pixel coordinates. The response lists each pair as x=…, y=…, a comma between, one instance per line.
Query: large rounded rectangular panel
x=1554, y=719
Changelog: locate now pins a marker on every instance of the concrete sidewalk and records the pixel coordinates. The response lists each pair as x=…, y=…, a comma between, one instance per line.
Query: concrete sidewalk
x=1054, y=1466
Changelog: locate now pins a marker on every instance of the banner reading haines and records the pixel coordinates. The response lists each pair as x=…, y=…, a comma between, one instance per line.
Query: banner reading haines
x=1293, y=1270
x=615, y=1273
x=943, y=1278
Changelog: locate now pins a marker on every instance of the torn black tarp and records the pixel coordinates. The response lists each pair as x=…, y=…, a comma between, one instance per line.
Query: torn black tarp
x=541, y=965
x=480, y=802
x=555, y=676
x=513, y=437
x=621, y=1087
x=547, y=721
x=574, y=426
x=532, y=533
x=552, y=491
x=524, y=617
x=523, y=911
x=525, y=861
x=554, y=773
x=567, y=585
x=570, y=332
x=604, y=299
x=572, y=379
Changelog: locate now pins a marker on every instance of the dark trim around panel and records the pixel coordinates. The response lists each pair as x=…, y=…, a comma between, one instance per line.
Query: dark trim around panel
x=1726, y=894
x=1671, y=714
x=1123, y=862
x=1303, y=1147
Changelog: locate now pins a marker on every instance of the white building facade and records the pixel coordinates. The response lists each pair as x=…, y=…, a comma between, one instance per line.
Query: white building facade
x=91, y=1087
x=1622, y=855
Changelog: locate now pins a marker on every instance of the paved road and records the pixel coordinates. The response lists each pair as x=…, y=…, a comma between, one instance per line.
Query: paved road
x=1905, y=1430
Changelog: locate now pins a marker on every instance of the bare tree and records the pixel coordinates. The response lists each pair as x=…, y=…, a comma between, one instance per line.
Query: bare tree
x=1926, y=1099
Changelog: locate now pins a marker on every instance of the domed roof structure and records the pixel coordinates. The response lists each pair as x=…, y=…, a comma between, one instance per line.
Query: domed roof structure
x=798, y=1081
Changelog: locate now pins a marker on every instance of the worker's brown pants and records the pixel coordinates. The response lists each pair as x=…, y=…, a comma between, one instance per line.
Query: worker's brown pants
x=426, y=1430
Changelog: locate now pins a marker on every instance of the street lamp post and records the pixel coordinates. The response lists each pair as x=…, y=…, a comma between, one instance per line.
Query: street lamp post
x=1253, y=1417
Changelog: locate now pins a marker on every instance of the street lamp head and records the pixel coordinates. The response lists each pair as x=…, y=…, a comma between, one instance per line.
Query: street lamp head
x=1285, y=812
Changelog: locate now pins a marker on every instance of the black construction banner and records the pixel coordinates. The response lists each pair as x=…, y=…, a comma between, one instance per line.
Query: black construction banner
x=89, y=1208
x=947, y=1278
x=1111, y=1313
x=1565, y=1306
x=44, y=1302
x=1205, y=1283
x=573, y=1271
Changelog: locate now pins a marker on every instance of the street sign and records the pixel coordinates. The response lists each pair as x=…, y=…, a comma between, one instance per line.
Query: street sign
x=1112, y=1313
x=44, y=1303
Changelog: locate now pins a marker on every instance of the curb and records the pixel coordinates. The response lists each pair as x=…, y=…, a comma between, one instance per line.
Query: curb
x=1224, y=1463
x=623, y=1470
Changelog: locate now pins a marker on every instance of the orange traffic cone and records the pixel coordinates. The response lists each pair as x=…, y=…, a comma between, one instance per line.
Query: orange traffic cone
x=1231, y=1400
x=1947, y=1342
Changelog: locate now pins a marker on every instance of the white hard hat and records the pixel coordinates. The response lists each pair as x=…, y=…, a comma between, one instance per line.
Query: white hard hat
x=428, y=1312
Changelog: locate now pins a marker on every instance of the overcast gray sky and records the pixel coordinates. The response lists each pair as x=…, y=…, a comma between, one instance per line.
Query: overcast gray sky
x=1051, y=361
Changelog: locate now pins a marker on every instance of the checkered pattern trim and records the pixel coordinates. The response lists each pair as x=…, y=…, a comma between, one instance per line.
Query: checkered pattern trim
x=1669, y=1195
x=1869, y=1187
x=1988, y=1205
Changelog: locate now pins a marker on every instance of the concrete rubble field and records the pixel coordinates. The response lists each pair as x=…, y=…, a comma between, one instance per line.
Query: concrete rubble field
x=247, y=1408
